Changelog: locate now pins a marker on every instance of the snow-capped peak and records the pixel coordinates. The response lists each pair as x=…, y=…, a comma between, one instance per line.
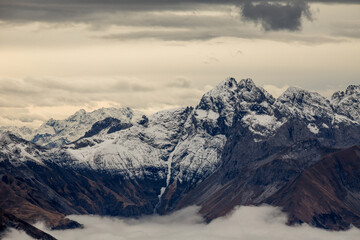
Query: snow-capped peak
x=228, y=85
x=353, y=89
x=247, y=83
x=249, y=92
x=77, y=115
x=80, y=112
x=347, y=103
x=184, y=143
x=5, y=137
x=304, y=104
x=297, y=95
x=23, y=132
x=221, y=101
x=18, y=150
x=301, y=97
x=59, y=132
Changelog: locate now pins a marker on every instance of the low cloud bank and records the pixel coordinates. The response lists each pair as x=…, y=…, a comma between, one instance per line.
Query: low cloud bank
x=250, y=223
x=31, y=101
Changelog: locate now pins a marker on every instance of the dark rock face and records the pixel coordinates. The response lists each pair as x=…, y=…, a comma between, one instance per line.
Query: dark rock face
x=144, y=121
x=34, y=192
x=239, y=146
x=254, y=168
x=111, y=124
x=249, y=183
x=325, y=194
x=253, y=171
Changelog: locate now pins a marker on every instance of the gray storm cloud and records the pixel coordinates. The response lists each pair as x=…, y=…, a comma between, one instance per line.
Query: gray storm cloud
x=277, y=16
x=273, y=15
x=245, y=223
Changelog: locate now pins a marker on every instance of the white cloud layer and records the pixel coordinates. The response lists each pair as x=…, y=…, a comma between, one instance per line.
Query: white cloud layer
x=250, y=223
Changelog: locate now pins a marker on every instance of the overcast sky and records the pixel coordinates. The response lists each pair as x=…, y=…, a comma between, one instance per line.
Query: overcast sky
x=59, y=56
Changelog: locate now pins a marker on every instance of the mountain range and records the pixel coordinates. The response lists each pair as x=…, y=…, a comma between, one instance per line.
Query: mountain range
x=238, y=146
x=56, y=133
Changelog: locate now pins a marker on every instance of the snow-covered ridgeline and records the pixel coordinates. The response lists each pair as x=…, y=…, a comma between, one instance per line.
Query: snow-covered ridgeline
x=16, y=150
x=56, y=133
x=186, y=143
x=192, y=146
x=22, y=132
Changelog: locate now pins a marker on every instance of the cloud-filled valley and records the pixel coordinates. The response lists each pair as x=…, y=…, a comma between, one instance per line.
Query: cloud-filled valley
x=244, y=223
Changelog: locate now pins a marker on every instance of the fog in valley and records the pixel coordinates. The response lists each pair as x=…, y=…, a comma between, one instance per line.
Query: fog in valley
x=250, y=223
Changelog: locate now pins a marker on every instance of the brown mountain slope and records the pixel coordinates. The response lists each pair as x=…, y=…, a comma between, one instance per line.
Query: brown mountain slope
x=325, y=195
x=23, y=201
x=8, y=220
x=40, y=193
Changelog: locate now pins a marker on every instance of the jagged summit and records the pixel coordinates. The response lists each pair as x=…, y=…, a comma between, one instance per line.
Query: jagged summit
x=56, y=133
x=264, y=114
x=347, y=103
x=239, y=146
x=229, y=92
x=6, y=137
x=249, y=92
x=230, y=82
x=17, y=150
x=247, y=83
x=220, y=104
x=353, y=89
x=80, y=112
x=304, y=104
x=220, y=101
x=60, y=132
x=298, y=95
x=23, y=132
x=192, y=138
x=229, y=85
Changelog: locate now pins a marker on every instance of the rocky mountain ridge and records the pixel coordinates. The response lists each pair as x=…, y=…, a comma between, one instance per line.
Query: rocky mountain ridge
x=186, y=136
x=56, y=133
x=238, y=146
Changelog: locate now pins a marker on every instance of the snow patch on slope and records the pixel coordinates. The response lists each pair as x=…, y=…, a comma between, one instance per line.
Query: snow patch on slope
x=313, y=128
x=263, y=125
x=17, y=150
